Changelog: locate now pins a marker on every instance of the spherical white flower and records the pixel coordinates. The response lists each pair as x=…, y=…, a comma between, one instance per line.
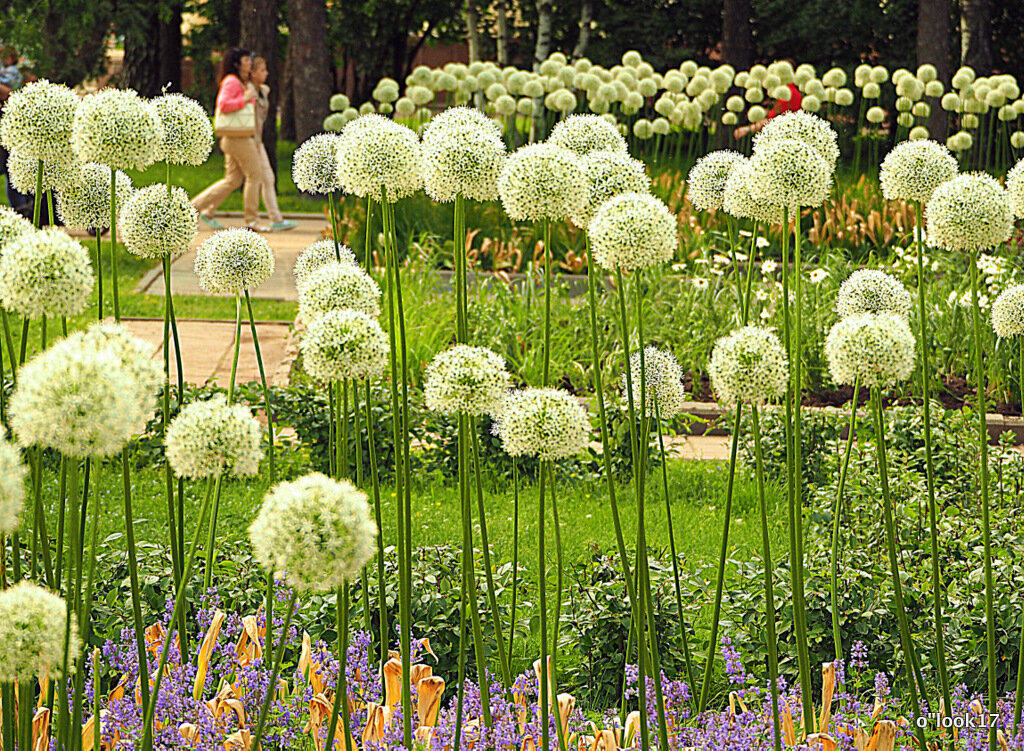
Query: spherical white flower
x=914, y=169
x=188, y=135
x=804, y=127
x=316, y=531
x=118, y=128
x=12, y=225
x=789, y=173
x=542, y=181
x=969, y=213
x=547, y=423
x=609, y=173
x=233, y=260
x=23, y=172
x=213, y=438
x=337, y=286
x=1015, y=186
x=632, y=231
x=320, y=253
x=663, y=387
x=155, y=222
x=749, y=365
x=582, y=134
x=37, y=121
x=32, y=643
x=344, y=344
x=85, y=204
x=463, y=154
x=377, y=156
x=45, y=273
x=877, y=349
x=470, y=380
x=315, y=165
x=740, y=200
x=872, y=291
x=1008, y=312
x=12, y=485
x=707, y=179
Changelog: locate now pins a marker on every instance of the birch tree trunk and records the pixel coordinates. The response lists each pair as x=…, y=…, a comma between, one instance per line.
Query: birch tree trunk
x=976, y=35
x=501, y=32
x=933, y=48
x=540, y=53
x=310, y=70
x=586, y=17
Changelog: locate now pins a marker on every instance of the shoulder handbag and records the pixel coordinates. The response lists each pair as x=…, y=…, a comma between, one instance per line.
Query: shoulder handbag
x=237, y=124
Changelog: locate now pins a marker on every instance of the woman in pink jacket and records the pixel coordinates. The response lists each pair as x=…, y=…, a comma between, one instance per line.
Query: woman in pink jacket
x=241, y=153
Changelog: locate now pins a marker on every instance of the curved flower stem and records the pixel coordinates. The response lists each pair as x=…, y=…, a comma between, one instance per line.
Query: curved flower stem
x=837, y=635
x=266, y=389
x=375, y=482
x=275, y=671
x=172, y=323
x=368, y=244
x=542, y=584
x=113, y=244
x=547, y=300
x=515, y=556
x=99, y=274
x=461, y=691
x=1019, y=694
x=9, y=342
x=332, y=207
x=341, y=690
x=37, y=204
x=559, y=730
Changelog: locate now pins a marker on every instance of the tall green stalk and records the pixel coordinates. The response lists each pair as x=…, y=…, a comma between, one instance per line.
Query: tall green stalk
x=266, y=389
x=1018, y=700
x=837, y=635
x=275, y=670
x=113, y=244
x=542, y=584
x=375, y=482
x=341, y=690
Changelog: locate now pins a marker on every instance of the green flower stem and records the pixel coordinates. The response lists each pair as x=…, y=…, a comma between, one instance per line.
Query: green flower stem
x=837, y=634
x=113, y=244
x=986, y=530
x=341, y=427
x=275, y=671
x=741, y=301
x=542, y=584
x=23, y=349
x=750, y=273
x=358, y=433
x=367, y=255
x=9, y=341
x=211, y=541
x=890, y=537
x=332, y=466
x=332, y=208
x=375, y=481
x=461, y=690
x=172, y=522
x=40, y=517
x=26, y=693
x=238, y=342
x=268, y=406
x=37, y=204
x=74, y=554
x=558, y=613
x=459, y=261
x=172, y=320
x=341, y=692
x=99, y=273
x=1018, y=700
x=7, y=700
x=547, y=300
x=515, y=556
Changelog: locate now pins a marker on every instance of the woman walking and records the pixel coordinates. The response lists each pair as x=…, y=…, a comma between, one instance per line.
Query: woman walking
x=268, y=188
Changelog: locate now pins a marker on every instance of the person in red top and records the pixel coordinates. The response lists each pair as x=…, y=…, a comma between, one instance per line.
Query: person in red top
x=781, y=105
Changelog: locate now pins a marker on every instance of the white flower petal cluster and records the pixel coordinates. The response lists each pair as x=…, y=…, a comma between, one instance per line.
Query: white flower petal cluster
x=118, y=128
x=749, y=365
x=320, y=253
x=12, y=225
x=632, y=231
x=32, y=621
x=1015, y=188
x=663, y=388
x=37, y=121
x=233, y=260
x=542, y=181
x=546, y=423
x=12, y=485
x=213, y=438
x=878, y=349
x=740, y=200
x=45, y=273
x=23, y=172
x=467, y=380
x=969, y=213
x=789, y=173
x=707, y=179
x=914, y=169
x=463, y=154
x=1008, y=312
x=316, y=531
x=582, y=134
x=344, y=344
x=315, y=165
x=873, y=291
x=609, y=173
x=155, y=222
x=85, y=204
x=75, y=398
x=188, y=134
x=378, y=157
x=338, y=286
x=804, y=127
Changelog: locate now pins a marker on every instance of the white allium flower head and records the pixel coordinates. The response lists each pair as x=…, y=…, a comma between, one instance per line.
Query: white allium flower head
x=789, y=173
x=873, y=291
x=23, y=172
x=632, y=231
x=343, y=344
x=969, y=213
x=470, y=380
x=740, y=200
x=878, y=349
x=320, y=253
x=663, y=387
x=377, y=156
x=463, y=154
x=1008, y=312
x=12, y=485
x=316, y=531
x=212, y=438
x=45, y=273
x=1015, y=188
x=707, y=179
x=609, y=173
x=914, y=169
x=37, y=121
x=582, y=134
x=12, y=225
x=188, y=135
x=118, y=128
x=233, y=260
x=75, y=398
x=155, y=222
x=315, y=165
x=804, y=127
x=542, y=181
x=546, y=423
x=85, y=204
x=337, y=286
x=749, y=365
x=32, y=644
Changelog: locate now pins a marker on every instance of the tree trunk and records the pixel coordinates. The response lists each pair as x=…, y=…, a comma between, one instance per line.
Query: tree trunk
x=472, y=31
x=311, y=74
x=976, y=35
x=586, y=18
x=933, y=48
x=737, y=40
x=287, y=100
x=259, y=34
x=541, y=51
x=152, y=52
x=501, y=32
